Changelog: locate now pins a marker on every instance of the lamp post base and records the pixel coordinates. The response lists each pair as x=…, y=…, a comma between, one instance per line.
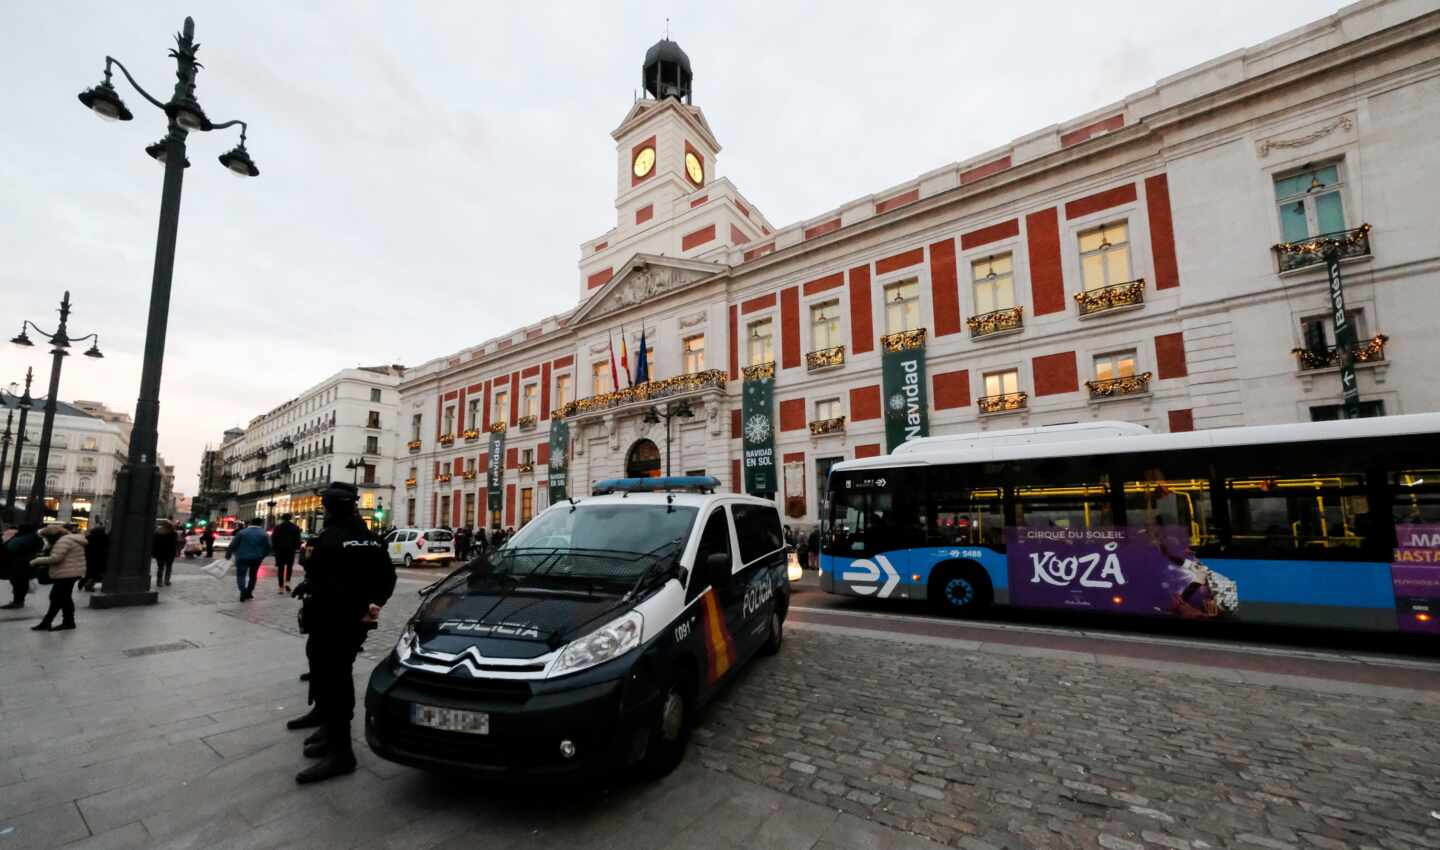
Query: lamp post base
x=122, y=599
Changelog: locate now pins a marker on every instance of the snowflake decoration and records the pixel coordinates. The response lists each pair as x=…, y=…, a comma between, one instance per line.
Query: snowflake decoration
x=757, y=428
x=897, y=402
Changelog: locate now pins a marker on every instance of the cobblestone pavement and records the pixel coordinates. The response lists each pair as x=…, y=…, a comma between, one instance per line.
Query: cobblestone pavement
x=886, y=735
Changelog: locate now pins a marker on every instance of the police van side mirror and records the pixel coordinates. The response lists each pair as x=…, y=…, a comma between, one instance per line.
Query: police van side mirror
x=717, y=571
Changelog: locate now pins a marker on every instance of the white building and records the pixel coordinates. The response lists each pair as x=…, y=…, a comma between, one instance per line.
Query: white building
x=1152, y=261
x=341, y=429
x=86, y=452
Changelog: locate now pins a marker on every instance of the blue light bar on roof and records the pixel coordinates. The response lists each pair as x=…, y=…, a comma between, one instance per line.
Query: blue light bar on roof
x=663, y=484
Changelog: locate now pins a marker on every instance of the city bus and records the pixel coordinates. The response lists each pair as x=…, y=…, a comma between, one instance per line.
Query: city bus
x=1333, y=524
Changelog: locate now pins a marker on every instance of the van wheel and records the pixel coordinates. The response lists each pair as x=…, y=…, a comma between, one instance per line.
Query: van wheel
x=409, y=560
x=959, y=589
x=776, y=635
x=670, y=729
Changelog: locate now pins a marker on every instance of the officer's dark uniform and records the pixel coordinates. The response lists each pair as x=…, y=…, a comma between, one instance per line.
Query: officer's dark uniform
x=346, y=572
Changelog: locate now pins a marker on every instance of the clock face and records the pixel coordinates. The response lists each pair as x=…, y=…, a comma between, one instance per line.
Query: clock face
x=694, y=168
x=644, y=162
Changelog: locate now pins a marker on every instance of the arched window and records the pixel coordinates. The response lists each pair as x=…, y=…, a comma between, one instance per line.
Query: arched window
x=27, y=480
x=85, y=485
x=52, y=483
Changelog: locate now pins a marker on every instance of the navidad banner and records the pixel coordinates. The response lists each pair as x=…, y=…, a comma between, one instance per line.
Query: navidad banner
x=758, y=429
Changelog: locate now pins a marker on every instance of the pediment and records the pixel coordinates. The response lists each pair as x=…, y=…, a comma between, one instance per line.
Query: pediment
x=643, y=279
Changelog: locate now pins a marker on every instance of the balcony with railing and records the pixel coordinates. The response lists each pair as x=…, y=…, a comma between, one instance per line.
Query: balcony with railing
x=446, y=440
x=1113, y=298
x=471, y=434
x=1128, y=385
x=821, y=427
x=469, y=475
x=1003, y=403
x=526, y=468
x=825, y=358
x=1371, y=350
x=690, y=384
x=410, y=482
x=443, y=477
x=1352, y=244
x=1009, y=320
x=525, y=423
x=497, y=426
x=903, y=340
x=413, y=446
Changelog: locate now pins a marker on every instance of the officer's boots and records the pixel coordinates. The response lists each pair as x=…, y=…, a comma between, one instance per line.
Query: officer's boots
x=308, y=720
x=339, y=758
x=317, y=744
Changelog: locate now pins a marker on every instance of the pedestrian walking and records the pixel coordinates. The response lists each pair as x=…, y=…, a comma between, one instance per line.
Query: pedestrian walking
x=248, y=548
x=19, y=551
x=285, y=540
x=97, y=550
x=65, y=564
x=165, y=546
x=480, y=543
x=207, y=537
x=462, y=542
x=348, y=578
x=812, y=544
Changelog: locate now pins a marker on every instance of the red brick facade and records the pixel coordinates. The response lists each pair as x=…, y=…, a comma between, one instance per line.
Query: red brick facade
x=1047, y=279
x=952, y=389
x=865, y=403
x=1170, y=355
x=792, y=414
x=1056, y=373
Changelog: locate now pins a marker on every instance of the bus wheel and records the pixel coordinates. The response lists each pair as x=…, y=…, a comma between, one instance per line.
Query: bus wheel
x=958, y=590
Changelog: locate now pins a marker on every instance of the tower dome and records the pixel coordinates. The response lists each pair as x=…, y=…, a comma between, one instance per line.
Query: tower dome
x=667, y=71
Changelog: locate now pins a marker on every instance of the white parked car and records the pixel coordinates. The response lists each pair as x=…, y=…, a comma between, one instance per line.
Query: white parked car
x=411, y=545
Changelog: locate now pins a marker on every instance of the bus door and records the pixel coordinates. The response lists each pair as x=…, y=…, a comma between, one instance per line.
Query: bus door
x=875, y=519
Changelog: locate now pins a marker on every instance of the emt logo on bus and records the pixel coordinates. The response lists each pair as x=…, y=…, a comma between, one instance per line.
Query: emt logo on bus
x=868, y=571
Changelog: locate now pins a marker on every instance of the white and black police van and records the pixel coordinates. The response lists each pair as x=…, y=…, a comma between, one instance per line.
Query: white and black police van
x=588, y=642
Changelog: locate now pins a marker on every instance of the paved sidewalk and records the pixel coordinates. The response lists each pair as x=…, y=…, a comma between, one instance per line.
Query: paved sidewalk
x=163, y=727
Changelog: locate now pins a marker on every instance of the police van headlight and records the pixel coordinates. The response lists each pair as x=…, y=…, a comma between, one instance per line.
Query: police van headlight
x=406, y=644
x=608, y=642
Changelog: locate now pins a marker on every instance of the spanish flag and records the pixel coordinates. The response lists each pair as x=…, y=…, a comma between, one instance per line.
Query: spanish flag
x=625, y=360
x=719, y=646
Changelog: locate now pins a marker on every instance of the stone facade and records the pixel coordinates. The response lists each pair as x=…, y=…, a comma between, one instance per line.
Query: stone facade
x=86, y=452
x=1124, y=264
x=282, y=459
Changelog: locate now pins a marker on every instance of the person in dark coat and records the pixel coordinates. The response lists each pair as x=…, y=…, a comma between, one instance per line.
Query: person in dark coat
x=462, y=542
x=166, y=545
x=812, y=544
x=207, y=537
x=19, y=551
x=285, y=541
x=348, y=577
x=97, y=549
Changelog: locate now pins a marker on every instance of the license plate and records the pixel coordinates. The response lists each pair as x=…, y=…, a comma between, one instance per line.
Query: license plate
x=450, y=719
x=438, y=549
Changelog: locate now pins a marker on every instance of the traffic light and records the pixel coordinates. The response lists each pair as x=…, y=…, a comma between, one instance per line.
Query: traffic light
x=203, y=522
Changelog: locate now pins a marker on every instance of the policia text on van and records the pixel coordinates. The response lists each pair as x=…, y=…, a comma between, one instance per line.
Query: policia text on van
x=590, y=640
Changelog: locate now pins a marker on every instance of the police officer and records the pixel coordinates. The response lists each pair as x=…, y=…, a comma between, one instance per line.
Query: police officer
x=348, y=577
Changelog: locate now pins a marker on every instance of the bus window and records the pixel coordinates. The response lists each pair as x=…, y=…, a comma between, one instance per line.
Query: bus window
x=1308, y=516
x=873, y=513
x=1183, y=502
x=1416, y=496
x=1064, y=505
x=961, y=515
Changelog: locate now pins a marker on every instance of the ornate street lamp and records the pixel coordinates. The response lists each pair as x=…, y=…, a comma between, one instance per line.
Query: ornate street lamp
x=60, y=341
x=127, y=579
x=680, y=409
x=24, y=404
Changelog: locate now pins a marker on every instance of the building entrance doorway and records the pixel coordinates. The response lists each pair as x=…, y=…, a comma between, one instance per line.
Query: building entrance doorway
x=643, y=460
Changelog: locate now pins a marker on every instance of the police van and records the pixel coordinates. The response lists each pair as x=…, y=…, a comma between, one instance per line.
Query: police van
x=590, y=640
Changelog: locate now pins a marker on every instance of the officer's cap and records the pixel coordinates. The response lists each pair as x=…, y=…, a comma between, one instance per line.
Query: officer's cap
x=341, y=490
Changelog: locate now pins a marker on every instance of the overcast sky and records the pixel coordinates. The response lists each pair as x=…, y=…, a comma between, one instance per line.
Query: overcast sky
x=429, y=169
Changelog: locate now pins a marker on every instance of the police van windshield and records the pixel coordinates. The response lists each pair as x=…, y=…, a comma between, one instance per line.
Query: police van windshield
x=611, y=541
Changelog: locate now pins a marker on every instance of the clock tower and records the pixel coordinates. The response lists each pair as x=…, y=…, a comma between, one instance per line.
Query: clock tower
x=668, y=201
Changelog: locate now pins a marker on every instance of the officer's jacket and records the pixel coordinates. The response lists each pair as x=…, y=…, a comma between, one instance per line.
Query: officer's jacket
x=346, y=572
